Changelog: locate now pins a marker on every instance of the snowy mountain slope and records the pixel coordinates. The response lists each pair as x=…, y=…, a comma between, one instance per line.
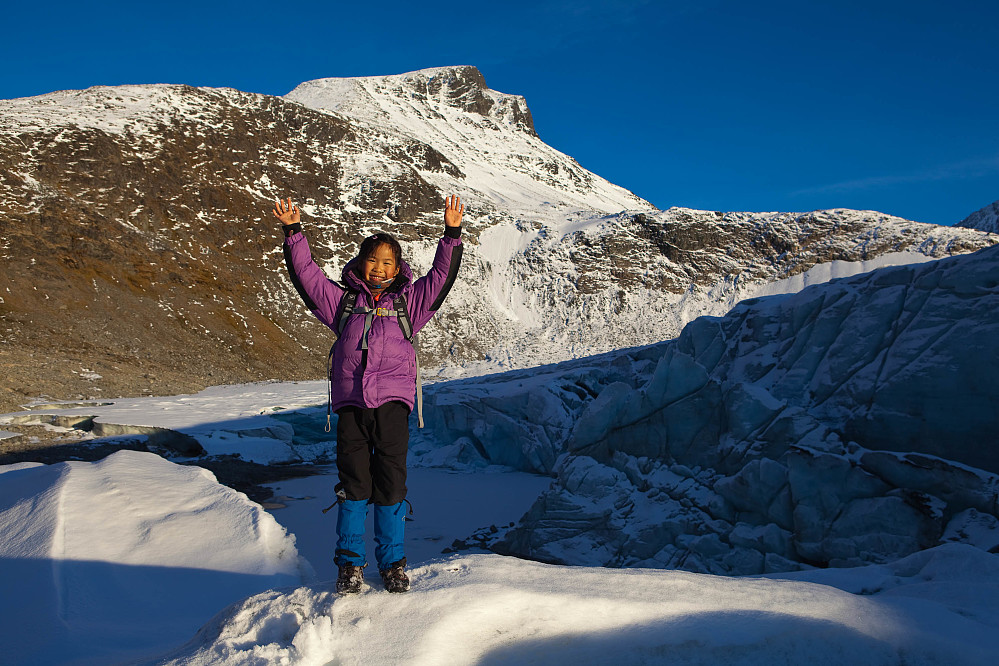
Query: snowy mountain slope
x=986, y=219
x=114, y=559
x=589, y=285
x=139, y=254
x=851, y=422
x=504, y=167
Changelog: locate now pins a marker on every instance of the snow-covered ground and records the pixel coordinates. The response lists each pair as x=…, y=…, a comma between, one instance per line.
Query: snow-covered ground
x=125, y=559
x=487, y=609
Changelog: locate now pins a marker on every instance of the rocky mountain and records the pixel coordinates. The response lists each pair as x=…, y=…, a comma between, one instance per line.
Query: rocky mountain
x=851, y=423
x=485, y=147
x=986, y=219
x=139, y=254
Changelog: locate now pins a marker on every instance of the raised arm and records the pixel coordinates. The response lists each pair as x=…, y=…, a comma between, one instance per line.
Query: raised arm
x=320, y=294
x=430, y=290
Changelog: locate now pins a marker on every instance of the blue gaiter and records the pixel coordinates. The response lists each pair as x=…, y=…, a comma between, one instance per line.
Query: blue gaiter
x=350, y=532
x=390, y=527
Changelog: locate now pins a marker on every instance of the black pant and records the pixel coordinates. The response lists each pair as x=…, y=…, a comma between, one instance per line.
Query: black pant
x=371, y=447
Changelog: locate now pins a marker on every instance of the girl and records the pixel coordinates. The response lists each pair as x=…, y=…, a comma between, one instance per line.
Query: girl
x=372, y=379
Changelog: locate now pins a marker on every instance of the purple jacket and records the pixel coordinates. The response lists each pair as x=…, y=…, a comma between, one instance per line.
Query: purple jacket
x=387, y=369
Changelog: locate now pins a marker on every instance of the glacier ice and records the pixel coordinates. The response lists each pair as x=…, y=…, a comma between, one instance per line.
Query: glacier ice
x=851, y=423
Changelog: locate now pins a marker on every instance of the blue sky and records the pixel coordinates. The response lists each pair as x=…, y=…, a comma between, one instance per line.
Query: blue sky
x=725, y=105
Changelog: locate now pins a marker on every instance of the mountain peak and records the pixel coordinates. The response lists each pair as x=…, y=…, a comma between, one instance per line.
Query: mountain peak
x=986, y=219
x=487, y=136
x=461, y=87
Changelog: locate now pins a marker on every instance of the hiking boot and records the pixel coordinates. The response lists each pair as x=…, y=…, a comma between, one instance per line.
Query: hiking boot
x=349, y=580
x=395, y=577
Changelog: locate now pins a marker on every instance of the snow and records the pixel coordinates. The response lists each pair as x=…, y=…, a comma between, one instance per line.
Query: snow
x=139, y=558
x=488, y=609
x=833, y=270
x=126, y=556
x=851, y=423
x=127, y=108
x=499, y=245
x=231, y=419
x=124, y=559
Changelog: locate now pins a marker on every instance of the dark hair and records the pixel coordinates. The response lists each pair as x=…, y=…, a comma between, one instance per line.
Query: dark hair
x=371, y=243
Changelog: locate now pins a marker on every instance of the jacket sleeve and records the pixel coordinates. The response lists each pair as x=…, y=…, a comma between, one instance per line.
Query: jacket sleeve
x=321, y=295
x=430, y=290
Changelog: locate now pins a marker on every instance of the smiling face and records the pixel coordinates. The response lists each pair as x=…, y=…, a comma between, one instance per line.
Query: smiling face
x=380, y=266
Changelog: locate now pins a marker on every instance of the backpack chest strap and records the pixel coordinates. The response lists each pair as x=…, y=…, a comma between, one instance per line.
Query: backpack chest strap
x=377, y=312
x=369, y=318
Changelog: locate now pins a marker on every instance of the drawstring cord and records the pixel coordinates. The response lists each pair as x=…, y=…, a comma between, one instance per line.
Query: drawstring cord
x=341, y=496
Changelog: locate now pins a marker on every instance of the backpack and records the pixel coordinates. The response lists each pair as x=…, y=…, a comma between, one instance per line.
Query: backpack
x=348, y=307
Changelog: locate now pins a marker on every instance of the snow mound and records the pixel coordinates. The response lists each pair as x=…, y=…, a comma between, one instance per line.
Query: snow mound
x=127, y=556
x=486, y=609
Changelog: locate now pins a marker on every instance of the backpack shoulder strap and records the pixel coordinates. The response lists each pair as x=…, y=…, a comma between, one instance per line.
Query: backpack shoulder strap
x=402, y=316
x=347, y=303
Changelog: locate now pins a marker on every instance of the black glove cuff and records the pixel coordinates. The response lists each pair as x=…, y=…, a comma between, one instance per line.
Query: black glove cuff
x=290, y=229
x=452, y=232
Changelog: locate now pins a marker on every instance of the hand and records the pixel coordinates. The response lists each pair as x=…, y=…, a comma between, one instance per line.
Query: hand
x=453, y=210
x=288, y=214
